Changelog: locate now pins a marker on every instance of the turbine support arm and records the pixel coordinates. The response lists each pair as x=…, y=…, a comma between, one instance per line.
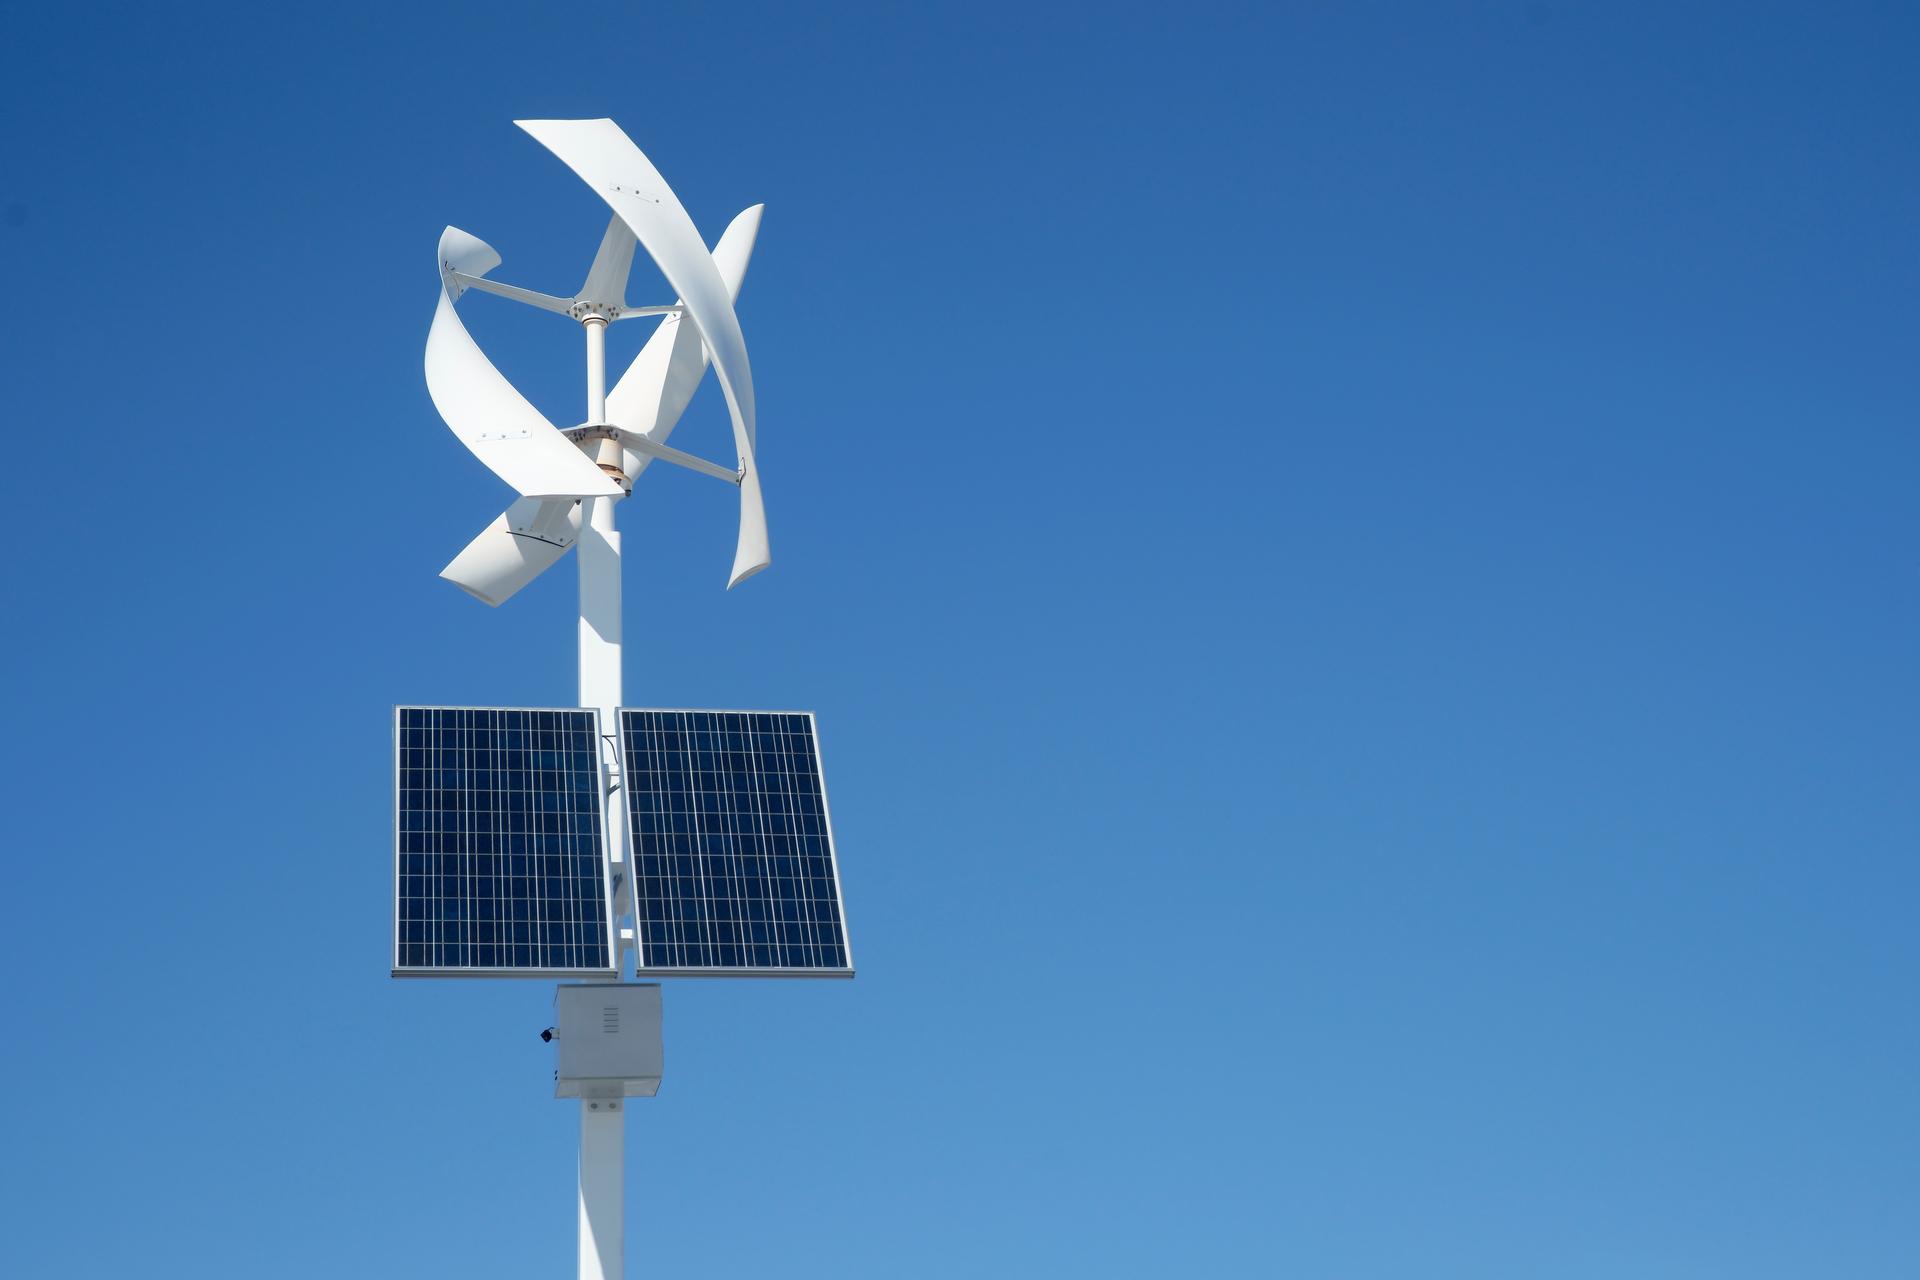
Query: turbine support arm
x=653, y=449
x=667, y=453
x=545, y=301
x=580, y=308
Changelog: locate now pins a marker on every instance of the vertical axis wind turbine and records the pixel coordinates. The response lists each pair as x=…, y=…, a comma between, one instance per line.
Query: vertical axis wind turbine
x=568, y=482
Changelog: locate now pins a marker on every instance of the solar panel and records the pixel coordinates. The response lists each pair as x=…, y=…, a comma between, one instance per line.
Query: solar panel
x=498, y=863
x=732, y=854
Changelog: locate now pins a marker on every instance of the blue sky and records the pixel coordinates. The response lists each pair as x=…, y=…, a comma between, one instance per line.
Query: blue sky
x=1356, y=565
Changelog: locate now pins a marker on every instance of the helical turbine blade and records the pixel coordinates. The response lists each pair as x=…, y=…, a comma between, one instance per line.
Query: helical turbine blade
x=515, y=549
x=606, y=160
x=655, y=390
x=750, y=553
x=482, y=408
x=607, y=277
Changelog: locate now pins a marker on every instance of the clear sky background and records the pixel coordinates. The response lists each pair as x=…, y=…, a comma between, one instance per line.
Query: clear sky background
x=1356, y=564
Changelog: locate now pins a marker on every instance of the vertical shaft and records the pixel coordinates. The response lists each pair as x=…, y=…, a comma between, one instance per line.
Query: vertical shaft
x=602, y=1189
x=596, y=327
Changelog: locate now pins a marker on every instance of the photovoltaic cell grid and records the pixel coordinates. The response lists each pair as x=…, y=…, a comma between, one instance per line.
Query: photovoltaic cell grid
x=732, y=858
x=498, y=861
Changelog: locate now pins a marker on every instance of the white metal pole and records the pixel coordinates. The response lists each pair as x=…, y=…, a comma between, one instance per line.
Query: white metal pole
x=602, y=1123
x=599, y=550
x=599, y=554
x=602, y=1190
x=596, y=368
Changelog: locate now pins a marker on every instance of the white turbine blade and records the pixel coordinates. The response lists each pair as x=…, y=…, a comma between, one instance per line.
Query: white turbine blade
x=606, y=160
x=607, y=277
x=657, y=386
x=735, y=250
x=482, y=408
x=516, y=548
x=653, y=393
x=750, y=553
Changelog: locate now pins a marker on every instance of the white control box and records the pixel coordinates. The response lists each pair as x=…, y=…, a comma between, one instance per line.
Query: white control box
x=608, y=1034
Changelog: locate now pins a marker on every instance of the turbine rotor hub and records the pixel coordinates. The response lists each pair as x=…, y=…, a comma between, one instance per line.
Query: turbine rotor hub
x=586, y=311
x=601, y=442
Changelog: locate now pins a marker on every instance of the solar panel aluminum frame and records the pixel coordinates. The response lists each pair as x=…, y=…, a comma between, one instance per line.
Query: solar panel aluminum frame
x=833, y=859
x=611, y=971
